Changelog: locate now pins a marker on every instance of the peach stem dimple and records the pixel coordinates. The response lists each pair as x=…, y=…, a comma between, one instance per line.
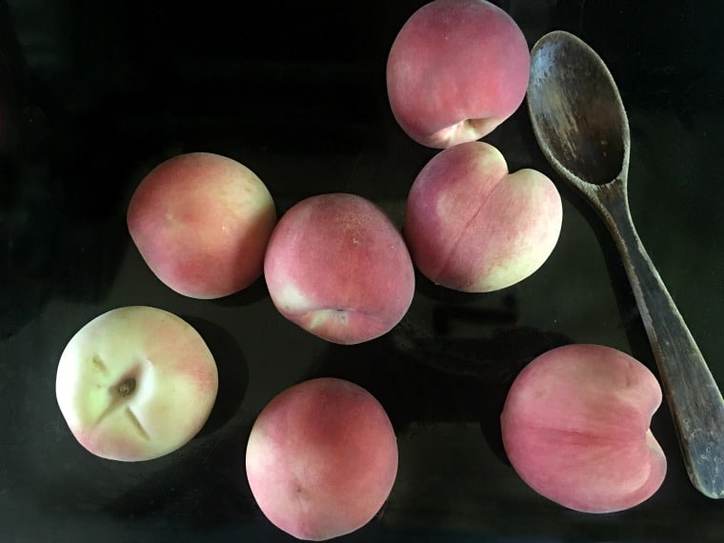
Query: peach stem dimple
x=127, y=387
x=119, y=394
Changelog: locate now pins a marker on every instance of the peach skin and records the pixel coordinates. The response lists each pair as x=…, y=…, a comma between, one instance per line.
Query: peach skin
x=472, y=226
x=337, y=267
x=457, y=69
x=576, y=428
x=201, y=222
x=136, y=383
x=321, y=459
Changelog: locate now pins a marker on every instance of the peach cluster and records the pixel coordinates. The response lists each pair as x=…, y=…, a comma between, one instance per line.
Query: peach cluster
x=457, y=69
x=136, y=383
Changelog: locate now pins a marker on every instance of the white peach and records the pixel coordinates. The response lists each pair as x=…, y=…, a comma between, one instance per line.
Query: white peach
x=321, y=459
x=337, y=267
x=457, y=69
x=136, y=383
x=575, y=427
x=472, y=226
x=202, y=222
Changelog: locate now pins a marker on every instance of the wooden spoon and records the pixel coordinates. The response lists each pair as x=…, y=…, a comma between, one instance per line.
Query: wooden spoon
x=581, y=126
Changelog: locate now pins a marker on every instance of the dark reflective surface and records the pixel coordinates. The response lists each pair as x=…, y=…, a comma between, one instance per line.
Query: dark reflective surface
x=98, y=93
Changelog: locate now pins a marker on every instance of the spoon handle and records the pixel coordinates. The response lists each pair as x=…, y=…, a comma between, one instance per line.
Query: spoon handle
x=693, y=396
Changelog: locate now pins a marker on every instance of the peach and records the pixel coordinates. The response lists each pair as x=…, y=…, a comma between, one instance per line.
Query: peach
x=201, y=222
x=135, y=383
x=337, y=267
x=321, y=459
x=457, y=69
x=576, y=428
x=472, y=226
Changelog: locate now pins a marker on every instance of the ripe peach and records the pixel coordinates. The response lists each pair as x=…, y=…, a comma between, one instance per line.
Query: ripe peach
x=472, y=226
x=576, y=428
x=337, y=267
x=201, y=222
x=321, y=459
x=135, y=383
x=457, y=69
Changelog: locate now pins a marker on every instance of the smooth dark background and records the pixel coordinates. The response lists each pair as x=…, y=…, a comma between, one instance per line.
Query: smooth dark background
x=94, y=94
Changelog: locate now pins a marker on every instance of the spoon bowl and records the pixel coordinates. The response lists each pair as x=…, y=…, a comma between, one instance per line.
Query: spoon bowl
x=581, y=126
x=578, y=110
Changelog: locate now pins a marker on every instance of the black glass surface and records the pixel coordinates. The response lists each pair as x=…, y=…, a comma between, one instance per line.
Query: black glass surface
x=94, y=94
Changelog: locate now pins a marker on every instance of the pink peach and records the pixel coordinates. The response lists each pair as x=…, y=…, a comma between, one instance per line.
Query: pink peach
x=136, y=383
x=321, y=459
x=337, y=267
x=576, y=428
x=457, y=69
x=201, y=222
x=472, y=226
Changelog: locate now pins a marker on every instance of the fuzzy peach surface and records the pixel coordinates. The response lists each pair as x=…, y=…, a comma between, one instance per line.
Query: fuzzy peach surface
x=472, y=226
x=575, y=427
x=135, y=383
x=321, y=459
x=201, y=222
x=457, y=69
x=337, y=267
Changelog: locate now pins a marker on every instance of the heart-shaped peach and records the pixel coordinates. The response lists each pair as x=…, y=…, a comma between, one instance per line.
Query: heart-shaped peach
x=472, y=226
x=576, y=428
